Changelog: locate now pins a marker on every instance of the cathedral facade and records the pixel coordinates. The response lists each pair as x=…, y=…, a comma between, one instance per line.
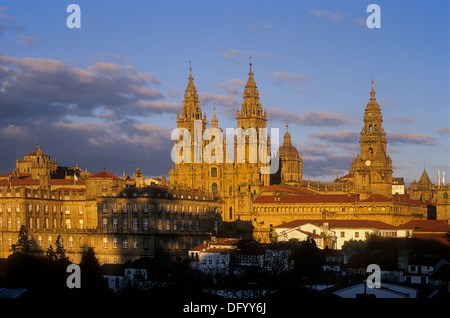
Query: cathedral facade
x=269, y=200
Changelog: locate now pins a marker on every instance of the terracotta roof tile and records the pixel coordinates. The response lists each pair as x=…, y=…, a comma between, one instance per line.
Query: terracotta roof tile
x=339, y=224
x=426, y=225
x=308, y=198
x=105, y=175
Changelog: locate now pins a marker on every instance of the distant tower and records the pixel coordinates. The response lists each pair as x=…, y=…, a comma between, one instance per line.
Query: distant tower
x=372, y=168
x=290, y=161
x=252, y=116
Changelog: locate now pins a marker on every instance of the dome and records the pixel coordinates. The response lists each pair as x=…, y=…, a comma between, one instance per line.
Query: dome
x=287, y=150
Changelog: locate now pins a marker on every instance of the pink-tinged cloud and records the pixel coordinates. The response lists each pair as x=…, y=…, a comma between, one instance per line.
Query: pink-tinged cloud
x=290, y=77
x=310, y=118
x=224, y=100
x=405, y=119
x=326, y=15
x=410, y=138
x=443, y=131
x=343, y=136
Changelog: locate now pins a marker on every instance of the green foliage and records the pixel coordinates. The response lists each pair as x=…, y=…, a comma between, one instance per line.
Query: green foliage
x=23, y=244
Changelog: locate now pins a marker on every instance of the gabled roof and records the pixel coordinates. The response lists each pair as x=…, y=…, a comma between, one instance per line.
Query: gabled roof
x=339, y=224
x=424, y=179
x=426, y=225
x=105, y=175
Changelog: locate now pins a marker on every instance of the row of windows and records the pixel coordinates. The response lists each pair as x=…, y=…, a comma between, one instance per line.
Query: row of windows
x=65, y=195
x=322, y=209
x=115, y=224
x=144, y=207
x=181, y=225
x=46, y=223
x=37, y=208
x=166, y=225
x=115, y=244
x=158, y=194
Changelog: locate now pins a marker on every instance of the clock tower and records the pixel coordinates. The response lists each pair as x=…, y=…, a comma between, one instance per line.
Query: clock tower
x=372, y=168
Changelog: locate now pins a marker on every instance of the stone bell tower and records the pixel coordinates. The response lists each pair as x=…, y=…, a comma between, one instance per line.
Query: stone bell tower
x=372, y=168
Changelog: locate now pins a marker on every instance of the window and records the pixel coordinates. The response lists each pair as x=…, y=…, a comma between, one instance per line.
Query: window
x=135, y=224
x=105, y=242
x=145, y=220
x=49, y=240
x=39, y=241
x=68, y=226
x=105, y=223
x=80, y=210
x=214, y=188
x=214, y=172
x=167, y=225
x=70, y=241
x=231, y=213
x=135, y=243
x=115, y=226
x=174, y=225
x=114, y=242
x=125, y=223
x=66, y=209
x=159, y=225
x=342, y=234
x=356, y=234
x=125, y=242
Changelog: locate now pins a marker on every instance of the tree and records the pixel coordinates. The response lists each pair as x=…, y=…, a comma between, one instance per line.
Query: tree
x=308, y=261
x=91, y=272
x=50, y=253
x=60, y=253
x=23, y=243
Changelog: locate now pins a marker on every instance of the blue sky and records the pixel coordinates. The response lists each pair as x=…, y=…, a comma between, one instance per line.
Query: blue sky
x=106, y=95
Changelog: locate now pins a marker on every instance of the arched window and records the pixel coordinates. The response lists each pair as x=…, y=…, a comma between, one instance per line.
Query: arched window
x=214, y=187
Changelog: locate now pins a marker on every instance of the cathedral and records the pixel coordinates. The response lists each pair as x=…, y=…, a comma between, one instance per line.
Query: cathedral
x=267, y=200
x=217, y=187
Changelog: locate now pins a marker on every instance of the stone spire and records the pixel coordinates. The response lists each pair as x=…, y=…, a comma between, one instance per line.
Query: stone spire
x=287, y=137
x=373, y=105
x=251, y=113
x=251, y=105
x=191, y=105
x=214, y=121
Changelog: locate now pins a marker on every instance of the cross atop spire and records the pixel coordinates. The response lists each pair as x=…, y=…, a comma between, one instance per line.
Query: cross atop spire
x=372, y=92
